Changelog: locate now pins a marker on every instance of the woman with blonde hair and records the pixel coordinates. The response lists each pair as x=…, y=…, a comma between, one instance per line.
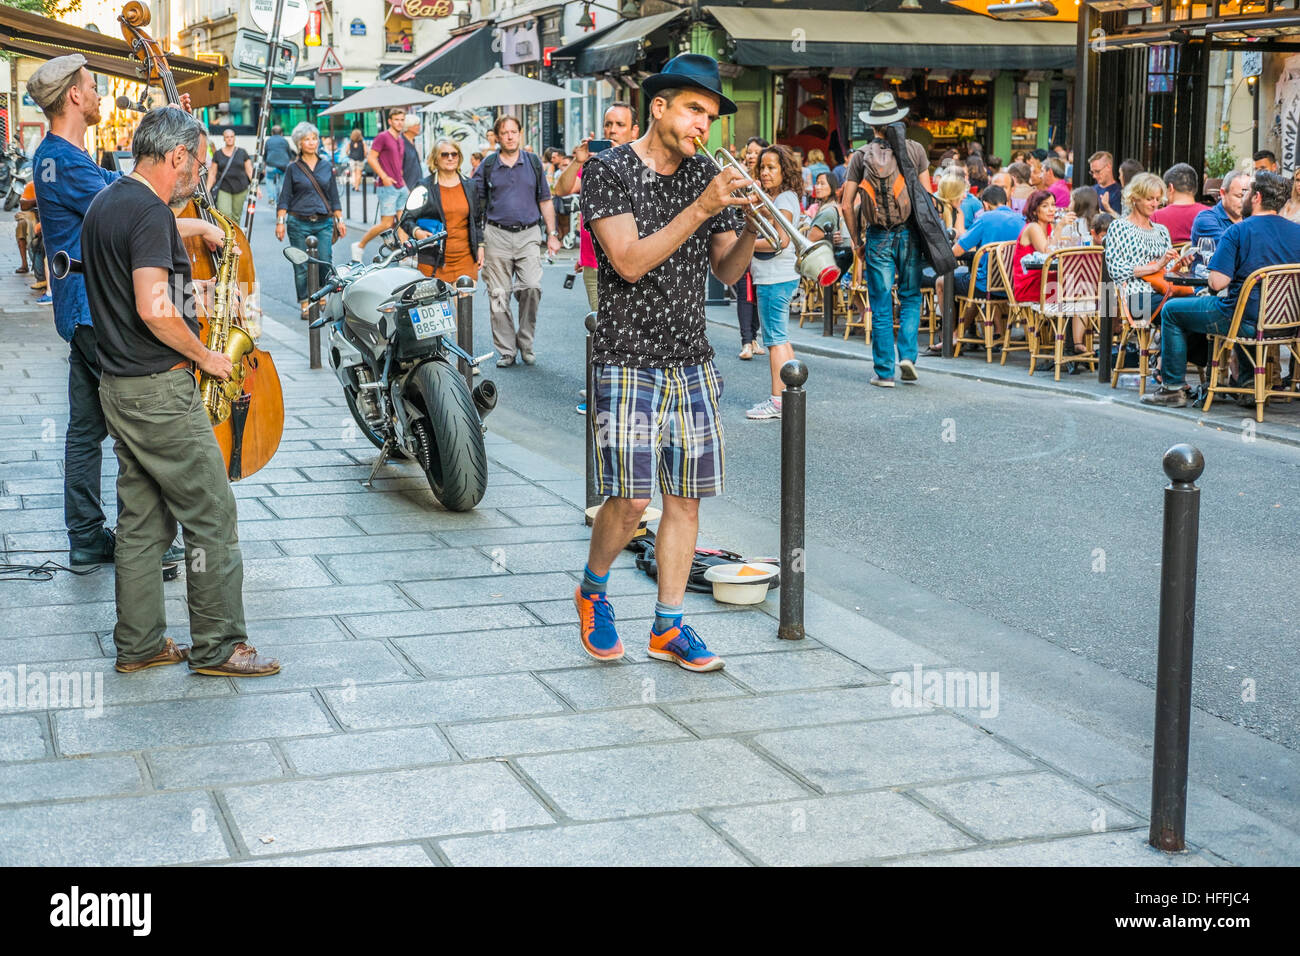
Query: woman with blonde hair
x=1139, y=251
x=453, y=202
x=951, y=192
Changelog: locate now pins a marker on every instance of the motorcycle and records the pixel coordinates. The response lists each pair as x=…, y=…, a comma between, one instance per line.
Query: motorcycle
x=15, y=174
x=392, y=346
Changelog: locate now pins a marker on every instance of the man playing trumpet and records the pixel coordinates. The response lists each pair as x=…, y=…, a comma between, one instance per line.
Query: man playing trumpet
x=661, y=216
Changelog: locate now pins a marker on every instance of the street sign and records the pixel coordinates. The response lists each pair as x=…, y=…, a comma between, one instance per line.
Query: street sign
x=292, y=19
x=330, y=62
x=329, y=86
x=250, y=55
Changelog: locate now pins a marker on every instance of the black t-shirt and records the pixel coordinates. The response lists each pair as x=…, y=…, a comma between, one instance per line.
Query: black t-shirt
x=127, y=227
x=236, y=178
x=657, y=322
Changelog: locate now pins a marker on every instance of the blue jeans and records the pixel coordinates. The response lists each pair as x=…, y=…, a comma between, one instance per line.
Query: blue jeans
x=273, y=177
x=773, y=300
x=298, y=230
x=1203, y=314
x=891, y=256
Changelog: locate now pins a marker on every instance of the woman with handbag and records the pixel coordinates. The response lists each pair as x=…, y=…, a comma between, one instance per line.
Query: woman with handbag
x=453, y=202
x=309, y=205
x=230, y=173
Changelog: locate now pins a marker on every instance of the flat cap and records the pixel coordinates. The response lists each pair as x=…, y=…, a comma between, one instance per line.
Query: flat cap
x=51, y=79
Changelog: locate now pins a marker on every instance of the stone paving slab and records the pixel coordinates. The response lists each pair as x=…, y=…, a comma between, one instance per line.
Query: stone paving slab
x=494, y=589
x=213, y=765
x=778, y=711
x=1025, y=806
x=53, y=647
x=182, y=828
x=63, y=779
x=323, y=665
x=365, y=545
x=466, y=653
x=655, y=778
x=890, y=753
x=509, y=535
x=154, y=684
x=422, y=565
x=468, y=698
x=279, y=529
x=837, y=829
x=375, y=750
x=443, y=621
x=266, y=634
x=502, y=738
x=334, y=599
x=320, y=814
x=626, y=684
x=795, y=669
x=175, y=723
x=677, y=840
x=402, y=855
x=431, y=520
x=21, y=738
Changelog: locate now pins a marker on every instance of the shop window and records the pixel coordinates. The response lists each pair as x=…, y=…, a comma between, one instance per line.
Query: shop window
x=399, y=34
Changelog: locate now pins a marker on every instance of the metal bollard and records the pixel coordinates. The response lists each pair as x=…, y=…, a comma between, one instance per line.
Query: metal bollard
x=828, y=309
x=948, y=313
x=793, y=417
x=348, y=192
x=594, y=497
x=365, y=216
x=1183, y=464
x=1107, y=332
x=313, y=283
x=465, y=324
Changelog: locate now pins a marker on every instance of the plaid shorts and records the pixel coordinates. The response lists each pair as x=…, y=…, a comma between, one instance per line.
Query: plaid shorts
x=658, y=420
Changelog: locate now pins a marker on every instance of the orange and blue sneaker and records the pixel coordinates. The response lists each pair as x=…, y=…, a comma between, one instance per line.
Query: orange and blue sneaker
x=682, y=645
x=596, y=623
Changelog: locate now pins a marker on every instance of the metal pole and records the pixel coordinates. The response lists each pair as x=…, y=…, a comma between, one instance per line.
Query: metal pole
x=365, y=216
x=348, y=191
x=1106, y=324
x=263, y=118
x=594, y=497
x=313, y=283
x=1084, y=64
x=465, y=287
x=793, y=413
x=828, y=310
x=1183, y=464
x=948, y=319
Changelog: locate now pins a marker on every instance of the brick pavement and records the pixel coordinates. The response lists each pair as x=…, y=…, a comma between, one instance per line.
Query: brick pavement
x=435, y=706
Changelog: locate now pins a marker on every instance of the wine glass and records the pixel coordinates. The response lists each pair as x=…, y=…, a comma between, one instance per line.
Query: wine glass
x=1205, y=249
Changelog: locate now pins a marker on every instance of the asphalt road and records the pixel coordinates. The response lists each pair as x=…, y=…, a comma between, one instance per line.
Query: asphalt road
x=1036, y=509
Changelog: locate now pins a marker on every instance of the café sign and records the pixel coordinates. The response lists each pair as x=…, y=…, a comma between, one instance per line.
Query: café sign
x=429, y=9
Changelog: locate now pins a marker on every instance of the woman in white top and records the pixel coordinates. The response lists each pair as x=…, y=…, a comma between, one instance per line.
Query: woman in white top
x=773, y=269
x=1139, y=251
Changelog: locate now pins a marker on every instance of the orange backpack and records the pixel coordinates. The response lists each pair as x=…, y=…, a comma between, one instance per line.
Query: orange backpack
x=885, y=201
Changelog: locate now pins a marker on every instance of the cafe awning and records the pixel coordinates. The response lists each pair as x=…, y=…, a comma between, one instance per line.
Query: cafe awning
x=843, y=38
x=614, y=47
x=29, y=34
x=460, y=59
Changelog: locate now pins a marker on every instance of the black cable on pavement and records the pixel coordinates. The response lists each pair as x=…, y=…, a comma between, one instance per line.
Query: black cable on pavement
x=44, y=571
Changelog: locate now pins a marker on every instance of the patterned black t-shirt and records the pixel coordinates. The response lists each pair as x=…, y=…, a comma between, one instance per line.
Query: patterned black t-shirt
x=657, y=322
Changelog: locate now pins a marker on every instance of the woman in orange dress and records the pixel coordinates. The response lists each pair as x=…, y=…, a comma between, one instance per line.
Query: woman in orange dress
x=452, y=201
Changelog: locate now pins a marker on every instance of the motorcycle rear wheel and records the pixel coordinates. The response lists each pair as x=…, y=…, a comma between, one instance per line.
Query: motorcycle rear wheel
x=449, y=437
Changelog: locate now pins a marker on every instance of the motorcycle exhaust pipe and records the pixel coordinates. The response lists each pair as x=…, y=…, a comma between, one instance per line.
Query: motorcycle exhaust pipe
x=62, y=264
x=485, y=398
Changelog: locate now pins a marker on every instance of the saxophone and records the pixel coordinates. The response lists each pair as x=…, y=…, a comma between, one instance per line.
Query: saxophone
x=223, y=334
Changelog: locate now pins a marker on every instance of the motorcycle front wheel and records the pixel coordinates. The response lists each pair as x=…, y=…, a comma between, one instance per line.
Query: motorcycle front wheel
x=449, y=437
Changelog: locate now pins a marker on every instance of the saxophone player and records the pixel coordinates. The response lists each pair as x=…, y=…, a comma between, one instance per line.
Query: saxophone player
x=169, y=464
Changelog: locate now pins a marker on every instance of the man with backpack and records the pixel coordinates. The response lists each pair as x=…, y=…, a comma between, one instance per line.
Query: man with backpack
x=514, y=196
x=885, y=231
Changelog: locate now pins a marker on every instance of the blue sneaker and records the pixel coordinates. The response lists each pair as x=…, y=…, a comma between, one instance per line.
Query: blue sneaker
x=596, y=626
x=683, y=646
x=45, y=299
x=582, y=409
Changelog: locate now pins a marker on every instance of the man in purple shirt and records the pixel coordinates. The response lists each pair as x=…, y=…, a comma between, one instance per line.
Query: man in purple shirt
x=1054, y=182
x=514, y=196
x=386, y=158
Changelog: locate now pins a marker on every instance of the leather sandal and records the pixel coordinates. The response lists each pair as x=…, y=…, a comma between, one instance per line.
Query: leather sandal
x=172, y=653
x=244, y=662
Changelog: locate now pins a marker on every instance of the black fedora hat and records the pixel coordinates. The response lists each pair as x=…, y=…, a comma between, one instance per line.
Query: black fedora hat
x=690, y=69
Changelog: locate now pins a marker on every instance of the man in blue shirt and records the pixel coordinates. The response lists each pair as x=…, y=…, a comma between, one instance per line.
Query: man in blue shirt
x=997, y=223
x=1213, y=222
x=67, y=179
x=1262, y=238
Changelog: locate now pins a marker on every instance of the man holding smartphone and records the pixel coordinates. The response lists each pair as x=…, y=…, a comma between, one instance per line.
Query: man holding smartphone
x=620, y=128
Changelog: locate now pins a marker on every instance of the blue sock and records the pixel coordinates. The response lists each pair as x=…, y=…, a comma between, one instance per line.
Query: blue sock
x=666, y=616
x=593, y=583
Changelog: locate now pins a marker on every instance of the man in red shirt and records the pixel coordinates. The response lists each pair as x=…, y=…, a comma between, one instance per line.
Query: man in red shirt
x=386, y=157
x=1181, y=181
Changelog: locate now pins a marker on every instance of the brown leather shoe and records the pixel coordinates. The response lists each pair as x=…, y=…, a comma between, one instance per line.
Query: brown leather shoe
x=244, y=662
x=172, y=653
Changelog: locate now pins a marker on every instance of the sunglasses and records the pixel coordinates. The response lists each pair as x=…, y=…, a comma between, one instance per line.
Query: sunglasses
x=450, y=155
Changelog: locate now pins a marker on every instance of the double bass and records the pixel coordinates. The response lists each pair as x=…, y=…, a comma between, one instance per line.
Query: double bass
x=251, y=434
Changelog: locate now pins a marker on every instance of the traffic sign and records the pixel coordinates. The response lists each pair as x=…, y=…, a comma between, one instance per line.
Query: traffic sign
x=330, y=62
x=252, y=52
x=292, y=19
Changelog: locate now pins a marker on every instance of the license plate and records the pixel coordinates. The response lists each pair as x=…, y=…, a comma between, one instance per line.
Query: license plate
x=431, y=320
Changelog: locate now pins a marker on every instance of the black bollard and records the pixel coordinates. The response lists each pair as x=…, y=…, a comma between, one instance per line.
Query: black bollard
x=365, y=216
x=828, y=310
x=793, y=415
x=348, y=192
x=948, y=313
x=465, y=324
x=594, y=497
x=1183, y=464
x=1106, y=324
x=313, y=283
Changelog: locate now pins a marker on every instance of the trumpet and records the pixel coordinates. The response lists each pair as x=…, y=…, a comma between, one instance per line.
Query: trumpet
x=813, y=260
